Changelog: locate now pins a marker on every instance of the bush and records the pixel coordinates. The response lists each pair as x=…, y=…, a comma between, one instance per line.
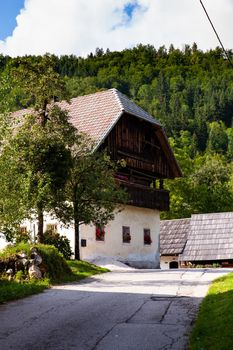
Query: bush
x=53, y=263
x=22, y=237
x=62, y=243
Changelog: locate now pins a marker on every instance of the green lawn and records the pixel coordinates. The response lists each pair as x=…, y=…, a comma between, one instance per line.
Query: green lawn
x=12, y=290
x=213, y=329
x=83, y=269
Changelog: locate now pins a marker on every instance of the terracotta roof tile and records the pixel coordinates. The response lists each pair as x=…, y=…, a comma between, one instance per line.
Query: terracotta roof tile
x=97, y=113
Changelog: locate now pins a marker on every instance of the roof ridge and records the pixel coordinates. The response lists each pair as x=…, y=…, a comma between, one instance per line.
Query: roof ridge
x=214, y=213
x=126, y=104
x=116, y=93
x=175, y=219
x=90, y=94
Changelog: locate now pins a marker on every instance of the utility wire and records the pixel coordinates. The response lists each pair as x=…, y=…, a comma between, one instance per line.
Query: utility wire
x=226, y=53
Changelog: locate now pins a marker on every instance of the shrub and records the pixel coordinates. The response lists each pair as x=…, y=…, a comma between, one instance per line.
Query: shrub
x=22, y=237
x=53, y=261
x=53, y=264
x=19, y=276
x=62, y=243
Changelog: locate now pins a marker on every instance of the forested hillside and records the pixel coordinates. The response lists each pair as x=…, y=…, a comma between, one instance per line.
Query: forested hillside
x=190, y=92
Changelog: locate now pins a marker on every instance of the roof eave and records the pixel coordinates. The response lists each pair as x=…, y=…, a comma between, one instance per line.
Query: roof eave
x=169, y=153
x=103, y=137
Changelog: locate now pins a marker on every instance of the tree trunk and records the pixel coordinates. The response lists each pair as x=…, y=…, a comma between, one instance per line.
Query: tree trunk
x=76, y=240
x=40, y=216
x=43, y=114
x=76, y=224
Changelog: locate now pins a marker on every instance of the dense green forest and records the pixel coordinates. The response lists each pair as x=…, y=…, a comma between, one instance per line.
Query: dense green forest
x=189, y=91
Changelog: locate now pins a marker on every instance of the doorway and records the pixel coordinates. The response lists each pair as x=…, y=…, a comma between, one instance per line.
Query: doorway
x=173, y=265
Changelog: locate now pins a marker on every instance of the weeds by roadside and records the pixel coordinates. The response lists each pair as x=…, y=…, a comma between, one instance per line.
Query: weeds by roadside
x=213, y=327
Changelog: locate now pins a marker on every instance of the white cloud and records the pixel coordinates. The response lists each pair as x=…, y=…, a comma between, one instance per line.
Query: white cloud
x=79, y=26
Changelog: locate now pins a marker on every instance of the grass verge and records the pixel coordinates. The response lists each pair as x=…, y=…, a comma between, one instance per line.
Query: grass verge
x=12, y=290
x=213, y=328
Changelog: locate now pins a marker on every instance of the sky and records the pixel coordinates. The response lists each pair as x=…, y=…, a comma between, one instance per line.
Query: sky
x=78, y=27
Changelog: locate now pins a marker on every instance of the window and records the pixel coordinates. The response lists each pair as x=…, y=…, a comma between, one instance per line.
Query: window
x=23, y=229
x=99, y=233
x=126, y=238
x=51, y=228
x=147, y=237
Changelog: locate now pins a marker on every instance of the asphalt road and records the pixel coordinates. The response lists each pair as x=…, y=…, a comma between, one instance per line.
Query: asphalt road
x=124, y=310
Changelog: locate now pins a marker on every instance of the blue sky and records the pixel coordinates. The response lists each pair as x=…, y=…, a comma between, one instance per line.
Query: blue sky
x=9, y=9
x=130, y=7
x=78, y=27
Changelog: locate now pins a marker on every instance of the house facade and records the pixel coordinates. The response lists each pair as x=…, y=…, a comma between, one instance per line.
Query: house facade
x=128, y=132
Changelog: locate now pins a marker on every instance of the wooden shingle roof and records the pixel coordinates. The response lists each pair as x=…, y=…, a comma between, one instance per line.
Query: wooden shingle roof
x=173, y=236
x=210, y=238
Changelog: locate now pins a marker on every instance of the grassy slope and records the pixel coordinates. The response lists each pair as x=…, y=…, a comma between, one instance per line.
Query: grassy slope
x=59, y=271
x=13, y=290
x=213, y=329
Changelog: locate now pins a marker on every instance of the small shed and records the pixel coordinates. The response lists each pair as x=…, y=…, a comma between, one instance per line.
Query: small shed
x=173, y=237
x=210, y=240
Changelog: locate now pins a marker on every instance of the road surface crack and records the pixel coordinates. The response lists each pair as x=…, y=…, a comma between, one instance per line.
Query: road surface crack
x=166, y=311
x=105, y=335
x=126, y=321
x=138, y=309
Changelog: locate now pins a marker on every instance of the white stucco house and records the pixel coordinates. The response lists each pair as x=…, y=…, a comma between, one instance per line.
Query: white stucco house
x=127, y=132
x=3, y=242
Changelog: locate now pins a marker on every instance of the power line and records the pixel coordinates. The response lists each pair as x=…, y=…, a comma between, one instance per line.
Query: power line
x=226, y=53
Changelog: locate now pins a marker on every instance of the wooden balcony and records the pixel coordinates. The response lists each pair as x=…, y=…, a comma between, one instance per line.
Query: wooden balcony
x=142, y=196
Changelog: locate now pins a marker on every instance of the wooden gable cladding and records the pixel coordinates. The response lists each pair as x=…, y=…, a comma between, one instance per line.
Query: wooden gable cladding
x=138, y=143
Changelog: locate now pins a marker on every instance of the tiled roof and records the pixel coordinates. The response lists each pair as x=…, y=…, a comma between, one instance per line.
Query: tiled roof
x=210, y=238
x=96, y=114
x=173, y=236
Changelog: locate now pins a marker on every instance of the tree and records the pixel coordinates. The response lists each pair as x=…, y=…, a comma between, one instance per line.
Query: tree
x=206, y=186
x=230, y=143
x=91, y=190
x=34, y=166
x=211, y=182
x=38, y=145
x=218, y=140
x=181, y=189
x=58, y=171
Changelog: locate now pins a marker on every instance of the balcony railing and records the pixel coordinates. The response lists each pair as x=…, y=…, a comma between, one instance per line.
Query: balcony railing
x=141, y=196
